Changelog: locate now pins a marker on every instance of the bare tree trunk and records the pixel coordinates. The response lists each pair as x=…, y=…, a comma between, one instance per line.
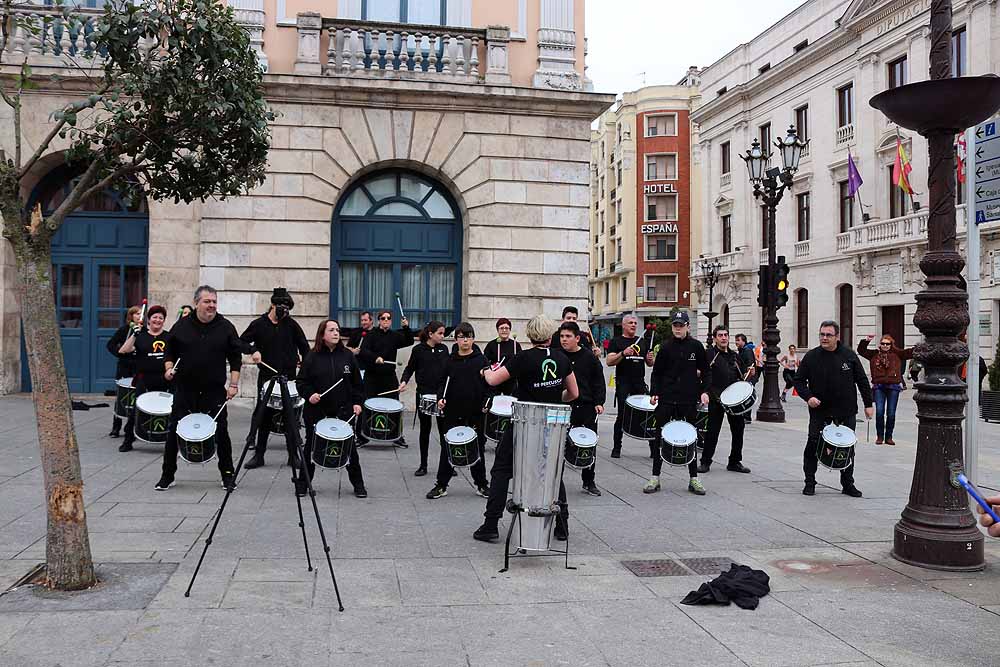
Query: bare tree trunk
x=68, y=559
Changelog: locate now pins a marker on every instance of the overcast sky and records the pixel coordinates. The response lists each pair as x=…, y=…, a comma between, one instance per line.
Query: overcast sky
x=664, y=37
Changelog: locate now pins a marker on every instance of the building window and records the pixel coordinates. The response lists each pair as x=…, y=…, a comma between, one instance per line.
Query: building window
x=722, y=91
x=845, y=295
x=725, y=315
x=624, y=289
x=592, y=295
x=726, y=164
x=661, y=167
x=619, y=170
x=602, y=222
x=661, y=246
x=764, y=235
x=898, y=201
x=661, y=207
x=765, y=137
x=802, y=122
x=663, y=125
x=802, y=215
x=661, y=288
x=846, y=206
x=801, y=46
x=727, y=233
x=763, y=68
x=618, y=252
x=845, y=105
x=618, y=208
x=607, y=293
x=898, y=73
x=959, y=52
x=601, y=263
x=423, y=12
x=802, y=318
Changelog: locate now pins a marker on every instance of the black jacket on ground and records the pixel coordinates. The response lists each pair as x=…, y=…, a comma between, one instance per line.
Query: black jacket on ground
x=727, y=367
x=739, y=584
x=467, y=390
x=832, y=378
x=126, y=362
x=320, y=371
x=428, y=364
x=589, y=374
x=676, y=372
x=280, y=345
x=204, y=349
x=378, y=343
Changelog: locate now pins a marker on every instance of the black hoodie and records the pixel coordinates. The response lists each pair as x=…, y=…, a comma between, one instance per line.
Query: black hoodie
x=280, y=345
x=727, y=367
x=675, y=372
x=832, y=376
x=428, y=363
x=467, y=390
x=589, y=374
x=126, y=362
x=497, y=350
x=204, y=349
x=320, y=371
x=378, y=343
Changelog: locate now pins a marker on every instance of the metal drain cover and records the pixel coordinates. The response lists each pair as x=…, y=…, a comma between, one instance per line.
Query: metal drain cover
x=656, y=568
x=713, y=566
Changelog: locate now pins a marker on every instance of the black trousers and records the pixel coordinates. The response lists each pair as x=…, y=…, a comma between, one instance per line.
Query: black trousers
x=474, y=420
x=737, y=424
x=810, y=461
x=116, y=421
x=583, y=415
x=500, y=476
x=789, y=377
x=378, y=381
x=622, y=392
x=266, y=418
x=666, y=412
x=208, y=400
x=353, y=464
x=425, y=434
x=142, y=385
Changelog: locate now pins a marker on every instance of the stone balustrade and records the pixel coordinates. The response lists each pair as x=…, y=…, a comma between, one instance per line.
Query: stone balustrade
x=845, y=135
x=880, y=234
x=725, y=180
x=46, y=36
x=801, y=249
x=728, y=261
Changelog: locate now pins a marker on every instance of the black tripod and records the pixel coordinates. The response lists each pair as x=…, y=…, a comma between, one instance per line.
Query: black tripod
x=299, y=472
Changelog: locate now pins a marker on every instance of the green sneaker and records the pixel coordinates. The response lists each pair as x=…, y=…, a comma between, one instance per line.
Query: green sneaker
x=652, y=486
x=696, y=487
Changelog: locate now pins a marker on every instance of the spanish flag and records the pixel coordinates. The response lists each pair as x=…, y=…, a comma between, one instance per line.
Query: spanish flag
x=901, y=169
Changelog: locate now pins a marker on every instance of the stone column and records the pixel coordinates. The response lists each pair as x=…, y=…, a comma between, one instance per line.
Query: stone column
x=498, y=55
x=307, y=59
x=250, y=15
x=557, y=47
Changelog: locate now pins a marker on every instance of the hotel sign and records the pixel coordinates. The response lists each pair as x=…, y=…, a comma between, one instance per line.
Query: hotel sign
x=659, y=189
x=660, y=228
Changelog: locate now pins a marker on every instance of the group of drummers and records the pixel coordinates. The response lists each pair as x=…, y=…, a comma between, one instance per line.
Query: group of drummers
x=343, y=388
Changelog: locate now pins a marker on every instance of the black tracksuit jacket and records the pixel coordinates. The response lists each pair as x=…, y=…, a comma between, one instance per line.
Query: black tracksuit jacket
x=589, y=374
x=675, y=376
x=384, y=344
x=428, y=364
x=280, y=345
x=204, y=349
x=320, y=371
x=833, y=377
x=467, y=390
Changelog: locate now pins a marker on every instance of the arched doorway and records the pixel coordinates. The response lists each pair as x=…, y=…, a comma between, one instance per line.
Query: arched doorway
x=99, y=269
x=395, y=233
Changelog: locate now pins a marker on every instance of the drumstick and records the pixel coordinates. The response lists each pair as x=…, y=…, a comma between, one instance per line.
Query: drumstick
x=747, y=374
x=331, y=388
x=399, y=303
x=391, y=391
x=176, y=364
x=444, y=394
x=261, y=362
x=221, y=409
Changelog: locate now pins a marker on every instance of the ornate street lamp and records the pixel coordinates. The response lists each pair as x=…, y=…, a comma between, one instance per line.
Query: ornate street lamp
x=710, y=271
x=769, y=185
x=937, y=530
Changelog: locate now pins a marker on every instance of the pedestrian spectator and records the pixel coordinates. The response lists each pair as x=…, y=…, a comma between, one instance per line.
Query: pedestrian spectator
x=886, y=365
x=789, y=364
x=606, y=344
x=964, y=369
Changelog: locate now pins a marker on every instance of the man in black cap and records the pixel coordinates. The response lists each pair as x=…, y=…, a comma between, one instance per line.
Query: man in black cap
x=274, y=341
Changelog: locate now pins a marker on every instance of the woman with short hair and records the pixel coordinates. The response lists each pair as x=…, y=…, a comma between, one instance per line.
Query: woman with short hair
x=886, y=365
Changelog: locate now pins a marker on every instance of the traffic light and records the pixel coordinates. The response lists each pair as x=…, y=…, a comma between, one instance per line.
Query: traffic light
x=763, y=283
x=780, y=283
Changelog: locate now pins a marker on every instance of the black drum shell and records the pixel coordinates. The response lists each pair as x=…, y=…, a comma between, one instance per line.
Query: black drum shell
x=331, y=454
x=639, y=424
x=388, y=431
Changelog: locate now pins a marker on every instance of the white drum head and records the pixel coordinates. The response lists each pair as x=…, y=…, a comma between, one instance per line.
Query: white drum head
x=125, y=383
x=155, y=403
x=583, y=437
x=736, y=393
x=679, y=433
x=502, y=406
x=196, y=427
x=381, y=404
x=432, y=398
x=334, y=429
x=840, y=436
x=460, y=435
x=640, y=402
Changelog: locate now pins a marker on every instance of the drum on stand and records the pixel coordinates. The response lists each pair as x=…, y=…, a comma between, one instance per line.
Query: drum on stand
x=463, y=447
x=498, y=417
x=124, y=397
x=738, y=398
x=639, y=417
x=581, y=448
x=196, y=438
x=382, y=419
x=152, y=417
x=678, y=443
x=428, y=405
x=276, y=409
x=333, y=443
x=836, y=447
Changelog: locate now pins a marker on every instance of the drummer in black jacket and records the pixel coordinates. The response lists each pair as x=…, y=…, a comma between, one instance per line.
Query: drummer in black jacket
x=462, y=392
x=148, y=348
x=590, y=382
x=500, y=349
x=278, y=341
x=204, y=341
x=378, y=353
x=681, y=377
x=328, y=362
x=727, y=367
x=629, y=355
x=125, y=364
x=827, y=379
x=428, y=359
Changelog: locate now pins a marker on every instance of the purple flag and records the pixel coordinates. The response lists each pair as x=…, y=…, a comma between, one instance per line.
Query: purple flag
x=854, y=181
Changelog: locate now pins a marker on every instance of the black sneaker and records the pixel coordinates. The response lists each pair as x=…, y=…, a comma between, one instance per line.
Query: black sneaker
x=809, y=489
x=735, y=467
x=488, y=532
x=301, y=489
x=114, y=434
x=483, y=490
x=125, y=447
x=164, y=483
x=704, y=467
x=591, y=489
x=616, y=452
x=437, y=492
x=229, y=481
x=852, y=491
x=562, y=530
x=360, y=492
x=420, y=472
x=256, y=462
x=401, y=443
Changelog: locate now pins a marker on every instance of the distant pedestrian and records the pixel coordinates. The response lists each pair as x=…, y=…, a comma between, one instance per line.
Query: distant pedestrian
x=789, y=364
x=887, y=381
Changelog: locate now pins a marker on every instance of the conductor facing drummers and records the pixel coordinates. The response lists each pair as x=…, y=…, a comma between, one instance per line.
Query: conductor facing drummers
x=148, y=349
x=543, y=375
x=378, y=353
x=275, y=342
x=205, y=342
x=590, y=383
x=500, y=349
x=629, y=355
x=828, y=379
x=681, y=378
x=328, y=363
x=727, y=368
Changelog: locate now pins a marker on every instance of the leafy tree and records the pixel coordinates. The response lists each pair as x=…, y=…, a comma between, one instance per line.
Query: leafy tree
x=166, y=103
x=993, y=376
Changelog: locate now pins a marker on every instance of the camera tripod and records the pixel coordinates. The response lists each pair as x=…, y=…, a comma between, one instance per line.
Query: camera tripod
x=300, y=471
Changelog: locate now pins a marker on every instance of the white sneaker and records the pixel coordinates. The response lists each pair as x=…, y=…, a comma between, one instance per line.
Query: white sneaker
x=652, y=486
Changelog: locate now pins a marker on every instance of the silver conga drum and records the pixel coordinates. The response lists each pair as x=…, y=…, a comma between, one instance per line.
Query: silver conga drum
x=539, y=438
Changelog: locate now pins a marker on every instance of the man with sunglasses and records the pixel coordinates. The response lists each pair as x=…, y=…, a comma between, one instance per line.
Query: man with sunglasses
x=827, y=380
x=378, y=355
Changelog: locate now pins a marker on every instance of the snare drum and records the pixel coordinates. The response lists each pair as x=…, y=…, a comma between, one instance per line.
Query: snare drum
x=836, y=447
x=152, y=417
x=498, y=418
x=463, y=448
x=277, y=421
x=428, y=405
x=382, y=419
x=196, y=438
x=333, y=443
x=678, y=443
x=639, y=418
x=738, y=398
x=581, y=448
x=124, y=397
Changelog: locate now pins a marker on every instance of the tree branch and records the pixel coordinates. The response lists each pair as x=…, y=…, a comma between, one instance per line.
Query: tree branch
x=72, y=201
x=52, y=135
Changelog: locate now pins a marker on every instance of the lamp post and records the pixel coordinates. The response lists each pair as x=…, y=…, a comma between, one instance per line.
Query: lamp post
x=710, y=271
x=769, y=185
x=937, y=530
